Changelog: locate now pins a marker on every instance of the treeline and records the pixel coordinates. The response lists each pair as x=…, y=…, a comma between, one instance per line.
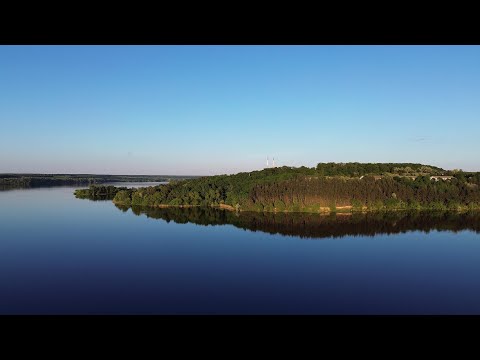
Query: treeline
x=98, y=192
x=361, y=169
x=230, y=190
x=44, y=180
x=313, y=194
x=296, y=190
x=306, y=225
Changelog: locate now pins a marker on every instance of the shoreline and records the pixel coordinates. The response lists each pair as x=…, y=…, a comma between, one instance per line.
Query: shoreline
x=164, y=206
x=344, y=210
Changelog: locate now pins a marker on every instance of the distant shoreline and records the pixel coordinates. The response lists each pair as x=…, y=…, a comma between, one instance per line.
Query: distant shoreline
x=26, y=181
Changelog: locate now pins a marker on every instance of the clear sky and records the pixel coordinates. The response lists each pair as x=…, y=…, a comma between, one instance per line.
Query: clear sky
x=223, y=109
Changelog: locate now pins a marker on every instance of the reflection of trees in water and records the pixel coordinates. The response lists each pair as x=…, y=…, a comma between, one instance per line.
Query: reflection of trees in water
x=318, y=226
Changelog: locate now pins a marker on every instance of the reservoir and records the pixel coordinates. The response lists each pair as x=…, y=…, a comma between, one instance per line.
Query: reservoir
x=62, y=255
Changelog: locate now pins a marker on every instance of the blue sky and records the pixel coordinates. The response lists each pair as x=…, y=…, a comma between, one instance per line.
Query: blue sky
x=222, y=109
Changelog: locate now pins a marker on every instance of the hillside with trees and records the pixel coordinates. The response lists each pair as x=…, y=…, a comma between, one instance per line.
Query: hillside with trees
x=326, y=188
x=359, y=169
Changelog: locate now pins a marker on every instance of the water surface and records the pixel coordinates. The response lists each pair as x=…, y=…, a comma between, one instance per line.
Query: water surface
x=130, y=184
x=59, y=254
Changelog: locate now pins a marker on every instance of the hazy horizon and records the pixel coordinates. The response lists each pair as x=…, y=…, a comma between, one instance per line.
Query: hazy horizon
x=207, y=110
x=159, y=174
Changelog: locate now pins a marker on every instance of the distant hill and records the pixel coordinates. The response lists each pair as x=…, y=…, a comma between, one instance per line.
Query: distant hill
x=359, y=169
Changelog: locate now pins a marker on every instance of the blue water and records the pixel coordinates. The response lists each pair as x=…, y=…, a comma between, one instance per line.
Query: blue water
x=63, y=255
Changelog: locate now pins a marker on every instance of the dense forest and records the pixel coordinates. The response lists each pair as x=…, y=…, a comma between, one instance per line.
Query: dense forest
x=347, y=187
x=98, y=192
x=44, y=180
x=359, y=169
x=307, y=225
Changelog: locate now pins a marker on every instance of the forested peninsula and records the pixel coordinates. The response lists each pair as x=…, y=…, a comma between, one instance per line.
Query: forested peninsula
x=328, y=187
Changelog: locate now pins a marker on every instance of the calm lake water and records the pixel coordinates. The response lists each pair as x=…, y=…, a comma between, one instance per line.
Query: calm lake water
x=59, y=254
x=134, y=184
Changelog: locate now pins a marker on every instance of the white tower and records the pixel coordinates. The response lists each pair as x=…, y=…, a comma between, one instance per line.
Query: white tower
x=273, y=163
x=267, y=161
